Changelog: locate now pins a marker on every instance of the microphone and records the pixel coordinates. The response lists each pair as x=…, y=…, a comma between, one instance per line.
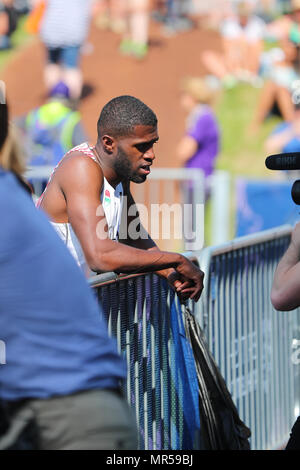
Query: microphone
x=283, y=161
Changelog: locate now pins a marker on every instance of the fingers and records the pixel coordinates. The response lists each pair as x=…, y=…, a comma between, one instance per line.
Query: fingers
x=181, y=286
x=193, y=293
x=189, y=284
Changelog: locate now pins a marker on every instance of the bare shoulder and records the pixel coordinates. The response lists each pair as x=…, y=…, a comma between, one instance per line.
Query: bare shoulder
x=76, y=169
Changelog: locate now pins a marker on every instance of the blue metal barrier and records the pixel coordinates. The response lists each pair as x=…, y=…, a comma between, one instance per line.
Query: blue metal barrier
x=254, y=346
x=252, y=343
x=162, y=385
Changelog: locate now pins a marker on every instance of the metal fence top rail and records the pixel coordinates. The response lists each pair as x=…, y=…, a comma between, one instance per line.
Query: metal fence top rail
x=111, y=277
x=208, y=253
x=204, y=255
x=248, y=240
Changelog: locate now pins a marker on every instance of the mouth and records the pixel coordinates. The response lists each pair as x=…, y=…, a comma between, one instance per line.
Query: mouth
x=145, y=169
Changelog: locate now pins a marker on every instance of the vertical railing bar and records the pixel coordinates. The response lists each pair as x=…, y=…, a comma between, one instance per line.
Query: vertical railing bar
x=145, y=394
x=221, y=329
x=228, y=318
x=153, y=382
x=252, y=343
x=245, y=331
x=136, y=375
x=233, y=329
x=239, y=330
x=256, y=329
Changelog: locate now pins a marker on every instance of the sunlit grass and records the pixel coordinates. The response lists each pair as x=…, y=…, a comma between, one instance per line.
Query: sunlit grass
x=242, y=153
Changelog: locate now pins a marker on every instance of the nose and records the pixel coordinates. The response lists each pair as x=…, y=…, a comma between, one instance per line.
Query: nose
x=150, y=154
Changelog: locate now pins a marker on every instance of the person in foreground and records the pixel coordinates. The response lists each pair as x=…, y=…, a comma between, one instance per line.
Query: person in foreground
x=87, y=192
x=285, y=296
x=60, y=372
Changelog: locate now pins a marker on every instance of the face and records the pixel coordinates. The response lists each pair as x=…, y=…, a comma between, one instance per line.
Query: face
x=135, y=154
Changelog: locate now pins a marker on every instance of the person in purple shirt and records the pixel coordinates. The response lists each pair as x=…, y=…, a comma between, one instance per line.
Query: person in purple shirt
x=199, y=147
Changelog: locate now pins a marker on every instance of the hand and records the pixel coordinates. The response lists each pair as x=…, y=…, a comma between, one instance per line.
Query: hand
x=190, y=279
x=177, y=283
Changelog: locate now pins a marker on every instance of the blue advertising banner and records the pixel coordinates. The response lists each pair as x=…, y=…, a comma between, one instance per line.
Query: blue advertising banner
x=261, y=205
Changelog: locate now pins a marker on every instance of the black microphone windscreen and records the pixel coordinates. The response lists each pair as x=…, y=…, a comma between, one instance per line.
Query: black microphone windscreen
x=283, y=161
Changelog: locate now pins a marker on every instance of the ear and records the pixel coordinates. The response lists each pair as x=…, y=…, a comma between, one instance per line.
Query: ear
x=109, y=143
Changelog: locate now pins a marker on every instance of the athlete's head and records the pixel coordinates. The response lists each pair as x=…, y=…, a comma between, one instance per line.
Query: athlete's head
x=127, y=131
x=122, y=114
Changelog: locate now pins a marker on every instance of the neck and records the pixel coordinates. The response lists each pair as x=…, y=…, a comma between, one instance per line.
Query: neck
x=105, y=164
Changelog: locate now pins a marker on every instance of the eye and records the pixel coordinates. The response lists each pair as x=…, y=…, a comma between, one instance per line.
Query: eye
x=143, y=147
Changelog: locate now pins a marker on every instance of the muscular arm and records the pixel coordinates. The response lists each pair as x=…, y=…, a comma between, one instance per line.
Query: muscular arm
x=285, y=293
x=81, y=180
x=183, y=286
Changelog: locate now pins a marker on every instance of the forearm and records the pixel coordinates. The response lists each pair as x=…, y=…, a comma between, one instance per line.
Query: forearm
x=146, y=243
x=114, y=256
x=162, y=272
x=285, y=293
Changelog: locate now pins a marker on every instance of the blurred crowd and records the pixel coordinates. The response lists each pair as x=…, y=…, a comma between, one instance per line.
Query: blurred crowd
x=260, y=47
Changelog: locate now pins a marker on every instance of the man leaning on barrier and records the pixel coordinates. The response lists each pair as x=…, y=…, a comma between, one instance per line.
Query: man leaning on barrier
x=85, y=195
x=60, y=372
x=285, y=296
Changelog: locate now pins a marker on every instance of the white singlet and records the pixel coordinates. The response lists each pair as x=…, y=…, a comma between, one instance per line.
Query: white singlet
x=112, y=201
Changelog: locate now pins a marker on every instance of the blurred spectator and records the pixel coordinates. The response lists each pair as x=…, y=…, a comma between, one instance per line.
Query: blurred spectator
x=268, y=9
x=35, y=16
x=177, y=16
x=13, y=159
x=213, y=13
x=22, y=6
x=135, y=41
x=242, y=37
x=174, y=15
x=111, y=14
x=200, y=145
x=8, y=23
x=281, y=69
x=286, y=136
x=52, y=129
x=64, y=29
x=287, y=26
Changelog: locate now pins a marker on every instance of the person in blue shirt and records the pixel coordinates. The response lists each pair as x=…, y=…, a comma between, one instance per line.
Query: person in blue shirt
x=61, y=371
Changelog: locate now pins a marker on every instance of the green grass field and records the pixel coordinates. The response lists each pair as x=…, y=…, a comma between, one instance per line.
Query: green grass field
x=241, y=152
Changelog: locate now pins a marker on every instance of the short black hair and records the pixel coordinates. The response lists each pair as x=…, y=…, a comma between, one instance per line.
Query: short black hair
x=3, y=124
x=120, y=115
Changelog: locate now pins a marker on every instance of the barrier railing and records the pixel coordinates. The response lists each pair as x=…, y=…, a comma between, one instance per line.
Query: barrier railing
x=162, y=386
x=254, y=346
